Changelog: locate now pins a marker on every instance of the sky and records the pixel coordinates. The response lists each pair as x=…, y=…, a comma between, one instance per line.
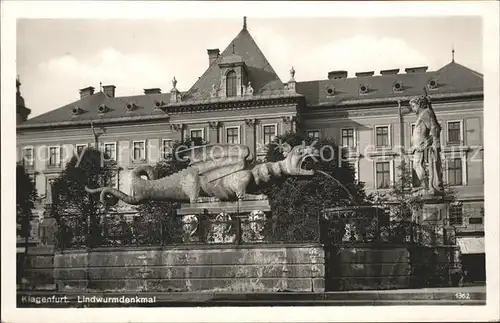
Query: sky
x=57, y=57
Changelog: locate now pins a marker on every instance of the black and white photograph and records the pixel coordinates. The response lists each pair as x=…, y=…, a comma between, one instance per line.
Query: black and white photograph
x=258, y=158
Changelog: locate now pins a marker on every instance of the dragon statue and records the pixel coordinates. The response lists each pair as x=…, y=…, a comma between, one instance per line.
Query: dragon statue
x=221, y=171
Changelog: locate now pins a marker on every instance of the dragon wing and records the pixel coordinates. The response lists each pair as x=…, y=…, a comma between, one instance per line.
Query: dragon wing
x=219, y=160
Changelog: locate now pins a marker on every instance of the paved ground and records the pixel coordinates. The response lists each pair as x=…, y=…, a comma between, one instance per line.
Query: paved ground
x=469, y=295
x=471, y=289
x=465, y=289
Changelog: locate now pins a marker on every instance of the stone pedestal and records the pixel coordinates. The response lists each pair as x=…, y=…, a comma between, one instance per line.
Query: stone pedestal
x=434, y=212
x=234, y=222
x=433, y=217
x=214, y=206
x=48, y=231
x=194, y=268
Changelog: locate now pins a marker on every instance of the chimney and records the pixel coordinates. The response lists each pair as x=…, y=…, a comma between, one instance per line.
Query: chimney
x=88, y=91
x=365, y=74
x=393, y=71
x=152, y=91
x=109, y=90
x=337, y=75
x=412, y=70
x=213, y=54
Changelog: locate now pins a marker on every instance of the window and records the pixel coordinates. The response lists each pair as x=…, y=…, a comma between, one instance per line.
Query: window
x=110, y=150
x=139, y=152
x=456, y=215
x=454, y=132
x=475, y=220
x=54, y=156
x=348, y=138
x=382, y=136
x=196, y=133
x=314, y=134
x=475, y=214
x=166, y=149
x=233, y=135
x=231, y=83
x=383, y=174
x=28, y=157
x=269, y=133
x=80, y=149
x=455, y=172
x=196, y=137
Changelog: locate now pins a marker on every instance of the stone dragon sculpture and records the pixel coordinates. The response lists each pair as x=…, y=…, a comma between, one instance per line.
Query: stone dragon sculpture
x=220, y=171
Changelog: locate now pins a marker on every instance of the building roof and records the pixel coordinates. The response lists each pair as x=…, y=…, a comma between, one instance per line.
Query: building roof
x=260, y=72
x=117, y=107
x=451, y=78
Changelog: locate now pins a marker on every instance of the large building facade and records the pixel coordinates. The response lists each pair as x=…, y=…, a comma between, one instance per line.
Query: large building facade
x=240, y=99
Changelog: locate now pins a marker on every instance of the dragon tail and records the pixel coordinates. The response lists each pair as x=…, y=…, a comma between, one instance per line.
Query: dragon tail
x=105, y=191
x=144, y=171
x=147, y=171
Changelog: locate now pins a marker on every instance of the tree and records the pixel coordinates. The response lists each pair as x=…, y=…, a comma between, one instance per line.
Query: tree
x=26, y=195
x=296, y=202
x=157, y=221
x=77, y=213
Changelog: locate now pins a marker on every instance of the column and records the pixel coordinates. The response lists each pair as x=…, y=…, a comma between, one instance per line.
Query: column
x=250, y=135
x=213, y=132
x=287, y=124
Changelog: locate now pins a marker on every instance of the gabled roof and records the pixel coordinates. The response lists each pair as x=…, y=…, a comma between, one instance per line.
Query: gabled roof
x=451, y=78
x=260, y=72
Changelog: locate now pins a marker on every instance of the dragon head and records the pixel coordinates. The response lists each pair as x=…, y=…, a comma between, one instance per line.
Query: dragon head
x=294, y=160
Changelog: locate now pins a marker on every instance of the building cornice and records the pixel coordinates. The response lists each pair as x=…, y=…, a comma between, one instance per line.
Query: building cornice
x=437, y=97
x=233, y=104
x=178, y=108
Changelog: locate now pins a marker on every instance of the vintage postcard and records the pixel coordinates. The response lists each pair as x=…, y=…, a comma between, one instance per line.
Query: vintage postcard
x=265, y=161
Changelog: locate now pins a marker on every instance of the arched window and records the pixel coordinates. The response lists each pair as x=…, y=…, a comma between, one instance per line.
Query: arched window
x=231, y=83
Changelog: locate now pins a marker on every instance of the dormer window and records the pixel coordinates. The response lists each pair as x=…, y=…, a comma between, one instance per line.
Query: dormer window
x=231, y=84
x=76, y=111
x=397, y=86
x=432, y=84
x=234, y=76
x=363, y=89
x=102, y=108
x=330, y=90
x=131, y=106
x=159, y=105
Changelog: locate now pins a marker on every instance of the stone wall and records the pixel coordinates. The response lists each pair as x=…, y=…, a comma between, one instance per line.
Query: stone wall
x=263, y=268
x=40, y=270
x=373, y=267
